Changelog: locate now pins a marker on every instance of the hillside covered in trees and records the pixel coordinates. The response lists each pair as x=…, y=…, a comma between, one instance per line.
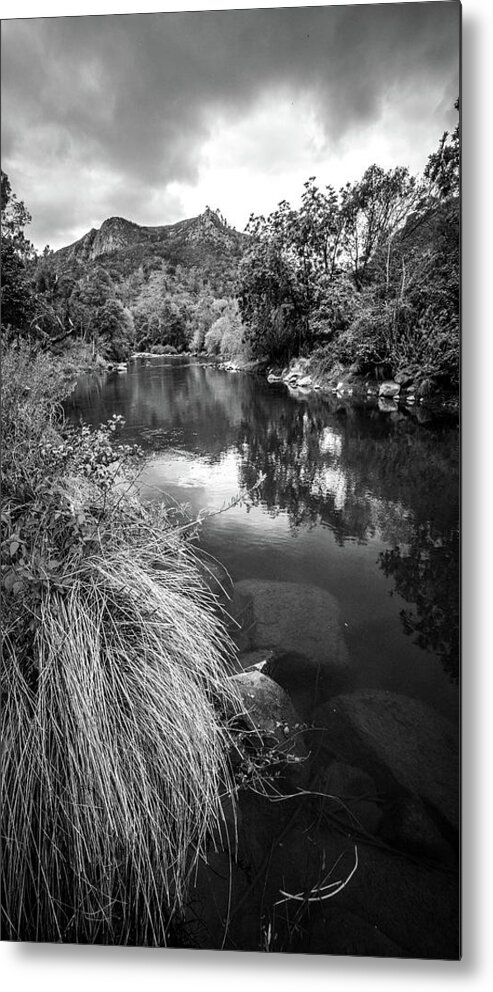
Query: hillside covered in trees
x=366, y=278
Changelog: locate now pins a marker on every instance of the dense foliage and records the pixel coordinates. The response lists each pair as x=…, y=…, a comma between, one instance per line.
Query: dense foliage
x=369, y=276
x=114, y=684
x=158, y=292
x=16, y=295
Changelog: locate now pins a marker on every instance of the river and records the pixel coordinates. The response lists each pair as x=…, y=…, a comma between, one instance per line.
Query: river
x=338, y=495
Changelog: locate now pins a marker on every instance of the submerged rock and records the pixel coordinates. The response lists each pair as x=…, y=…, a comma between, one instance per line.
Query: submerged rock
x=308, y=681
x=354, y=795
x=291, y=617
x=391, y=907
x=400, y=741
x=258, y=659
x=408, y=825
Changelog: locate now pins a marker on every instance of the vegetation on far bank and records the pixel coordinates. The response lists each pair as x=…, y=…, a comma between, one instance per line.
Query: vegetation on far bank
x=366, y=277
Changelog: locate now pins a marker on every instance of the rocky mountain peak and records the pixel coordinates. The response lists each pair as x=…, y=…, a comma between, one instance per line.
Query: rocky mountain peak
x=209, y=232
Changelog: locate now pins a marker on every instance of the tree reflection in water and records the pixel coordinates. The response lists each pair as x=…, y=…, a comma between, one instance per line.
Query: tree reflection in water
x=365, y=474
x=368, y=475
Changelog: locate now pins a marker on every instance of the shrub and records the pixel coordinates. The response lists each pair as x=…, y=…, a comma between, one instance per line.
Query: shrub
x=114, y=663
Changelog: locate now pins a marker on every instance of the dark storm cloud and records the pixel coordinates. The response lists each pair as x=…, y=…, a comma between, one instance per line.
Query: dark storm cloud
x=133, y=98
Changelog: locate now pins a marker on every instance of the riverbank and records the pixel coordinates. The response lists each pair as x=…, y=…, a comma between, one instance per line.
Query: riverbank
x=309, y=374
x=115, y=668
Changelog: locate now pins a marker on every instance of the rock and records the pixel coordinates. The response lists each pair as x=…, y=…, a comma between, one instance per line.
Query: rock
x=406, y=824
x=424, y=388
x=307, y=680
x=400, y=741
x=242, y=620
x=403, y=378
x=274, y=721
x=387, y=405
x=291, y=617
x=305, y=381
x=355, y=795
x=216, y=577
x=389, y=388
x=255, y=659
x=414, y=907
x=345, y=933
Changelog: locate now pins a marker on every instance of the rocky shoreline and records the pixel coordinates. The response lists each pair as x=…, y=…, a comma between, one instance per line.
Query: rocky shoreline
x=302, y=379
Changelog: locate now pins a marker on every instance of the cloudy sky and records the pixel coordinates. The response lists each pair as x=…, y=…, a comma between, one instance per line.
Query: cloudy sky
x=151, y=117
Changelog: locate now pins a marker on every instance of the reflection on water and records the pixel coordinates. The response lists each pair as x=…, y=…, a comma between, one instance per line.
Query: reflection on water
x=356, y=500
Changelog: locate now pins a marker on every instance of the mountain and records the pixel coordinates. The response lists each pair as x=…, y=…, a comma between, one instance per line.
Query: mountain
x=130, y=286
x=188, y=242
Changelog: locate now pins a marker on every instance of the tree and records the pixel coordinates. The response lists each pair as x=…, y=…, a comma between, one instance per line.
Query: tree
x=225, y=336
x=17, y=300
x=373, y=209
x=113, y=324
x=269, y=300
x=443, y=167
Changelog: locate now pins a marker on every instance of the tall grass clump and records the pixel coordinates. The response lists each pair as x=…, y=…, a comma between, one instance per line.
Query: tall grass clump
x=114, y=687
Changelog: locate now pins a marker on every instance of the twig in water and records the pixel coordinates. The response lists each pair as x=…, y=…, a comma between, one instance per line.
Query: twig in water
x=315, y=894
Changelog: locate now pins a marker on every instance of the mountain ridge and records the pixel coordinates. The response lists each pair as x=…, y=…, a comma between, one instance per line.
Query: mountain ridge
x=118, y=234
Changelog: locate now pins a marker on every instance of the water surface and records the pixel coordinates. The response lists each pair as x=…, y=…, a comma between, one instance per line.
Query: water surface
x=359, y=502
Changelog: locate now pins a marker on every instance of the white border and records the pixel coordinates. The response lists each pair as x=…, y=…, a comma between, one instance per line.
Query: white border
x=46, y=968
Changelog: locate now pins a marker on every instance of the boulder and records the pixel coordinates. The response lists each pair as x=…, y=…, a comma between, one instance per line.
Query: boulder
x=389, y=389
x=387, y=405
x=408, y=825
x=400, y=741
x=308, y=681
x=216, y=577
x=424, y=388
x=290, y=617
x=274, y=722
x=354, y=795
x=242, y=620
x=403, y=378
x=305, y=381
x=412, y=910
x=255, y=659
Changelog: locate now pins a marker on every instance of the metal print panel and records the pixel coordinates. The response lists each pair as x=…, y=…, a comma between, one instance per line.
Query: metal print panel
x=230, y=516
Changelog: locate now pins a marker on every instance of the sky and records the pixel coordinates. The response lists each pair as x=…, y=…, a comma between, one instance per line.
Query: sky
x=154, y=116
